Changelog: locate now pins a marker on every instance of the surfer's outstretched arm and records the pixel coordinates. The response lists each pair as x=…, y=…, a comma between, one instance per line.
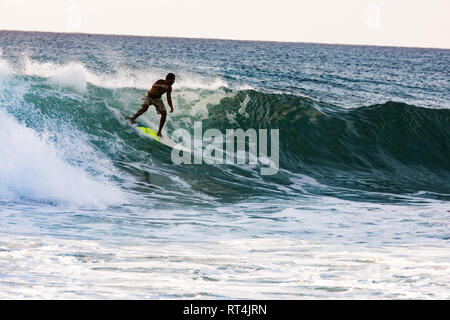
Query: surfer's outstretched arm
x=169, y=99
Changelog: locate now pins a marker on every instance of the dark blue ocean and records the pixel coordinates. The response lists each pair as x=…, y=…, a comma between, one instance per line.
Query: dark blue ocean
x=91, y=208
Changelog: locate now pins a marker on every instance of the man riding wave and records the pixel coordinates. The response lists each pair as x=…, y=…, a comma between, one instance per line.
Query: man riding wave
x=154, y=97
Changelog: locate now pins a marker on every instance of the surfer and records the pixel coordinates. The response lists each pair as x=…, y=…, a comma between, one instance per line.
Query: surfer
x=153, y=97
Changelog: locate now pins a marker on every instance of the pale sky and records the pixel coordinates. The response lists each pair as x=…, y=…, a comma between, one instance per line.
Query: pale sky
x=412, y=23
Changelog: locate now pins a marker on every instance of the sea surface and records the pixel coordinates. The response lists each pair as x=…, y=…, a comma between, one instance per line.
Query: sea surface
x=92, y=209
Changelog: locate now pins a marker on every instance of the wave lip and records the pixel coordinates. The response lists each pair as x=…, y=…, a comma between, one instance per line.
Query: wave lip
x=382, y=146
x=76, y=75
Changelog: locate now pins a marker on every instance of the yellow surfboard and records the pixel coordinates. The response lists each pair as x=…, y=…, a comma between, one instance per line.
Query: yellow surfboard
x=154, y=135
x=150, y=132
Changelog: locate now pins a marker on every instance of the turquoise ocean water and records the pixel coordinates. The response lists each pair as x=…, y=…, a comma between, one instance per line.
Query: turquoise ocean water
x=90, y=208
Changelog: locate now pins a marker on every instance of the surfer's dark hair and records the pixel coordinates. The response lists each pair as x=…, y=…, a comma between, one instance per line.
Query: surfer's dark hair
x=170, y=76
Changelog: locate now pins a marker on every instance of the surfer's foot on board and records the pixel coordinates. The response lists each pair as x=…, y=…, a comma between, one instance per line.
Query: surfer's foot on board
x=129, y=119
x=159, y=134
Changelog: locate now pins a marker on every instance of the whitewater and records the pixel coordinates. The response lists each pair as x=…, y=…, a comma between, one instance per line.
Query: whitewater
x=91, y=208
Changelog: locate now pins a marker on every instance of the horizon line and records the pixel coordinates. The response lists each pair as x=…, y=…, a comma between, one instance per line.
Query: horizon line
x=224, y=39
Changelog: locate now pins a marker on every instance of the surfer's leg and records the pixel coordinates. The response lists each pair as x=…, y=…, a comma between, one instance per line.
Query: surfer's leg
x=140, y=112
x=146, y=102
x=161, y=122
x=160, y=109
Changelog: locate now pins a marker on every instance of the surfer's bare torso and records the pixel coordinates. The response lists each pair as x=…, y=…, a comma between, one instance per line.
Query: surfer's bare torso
x=159, y=88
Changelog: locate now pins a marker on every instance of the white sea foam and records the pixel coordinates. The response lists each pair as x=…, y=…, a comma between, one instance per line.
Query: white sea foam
x=32, y=170
x=76, y=75
x=5, y=68
x=270, y=268
x=245, y=86
x=72, y=77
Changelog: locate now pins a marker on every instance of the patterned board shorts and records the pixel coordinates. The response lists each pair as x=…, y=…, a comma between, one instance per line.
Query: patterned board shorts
x=158, y=103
